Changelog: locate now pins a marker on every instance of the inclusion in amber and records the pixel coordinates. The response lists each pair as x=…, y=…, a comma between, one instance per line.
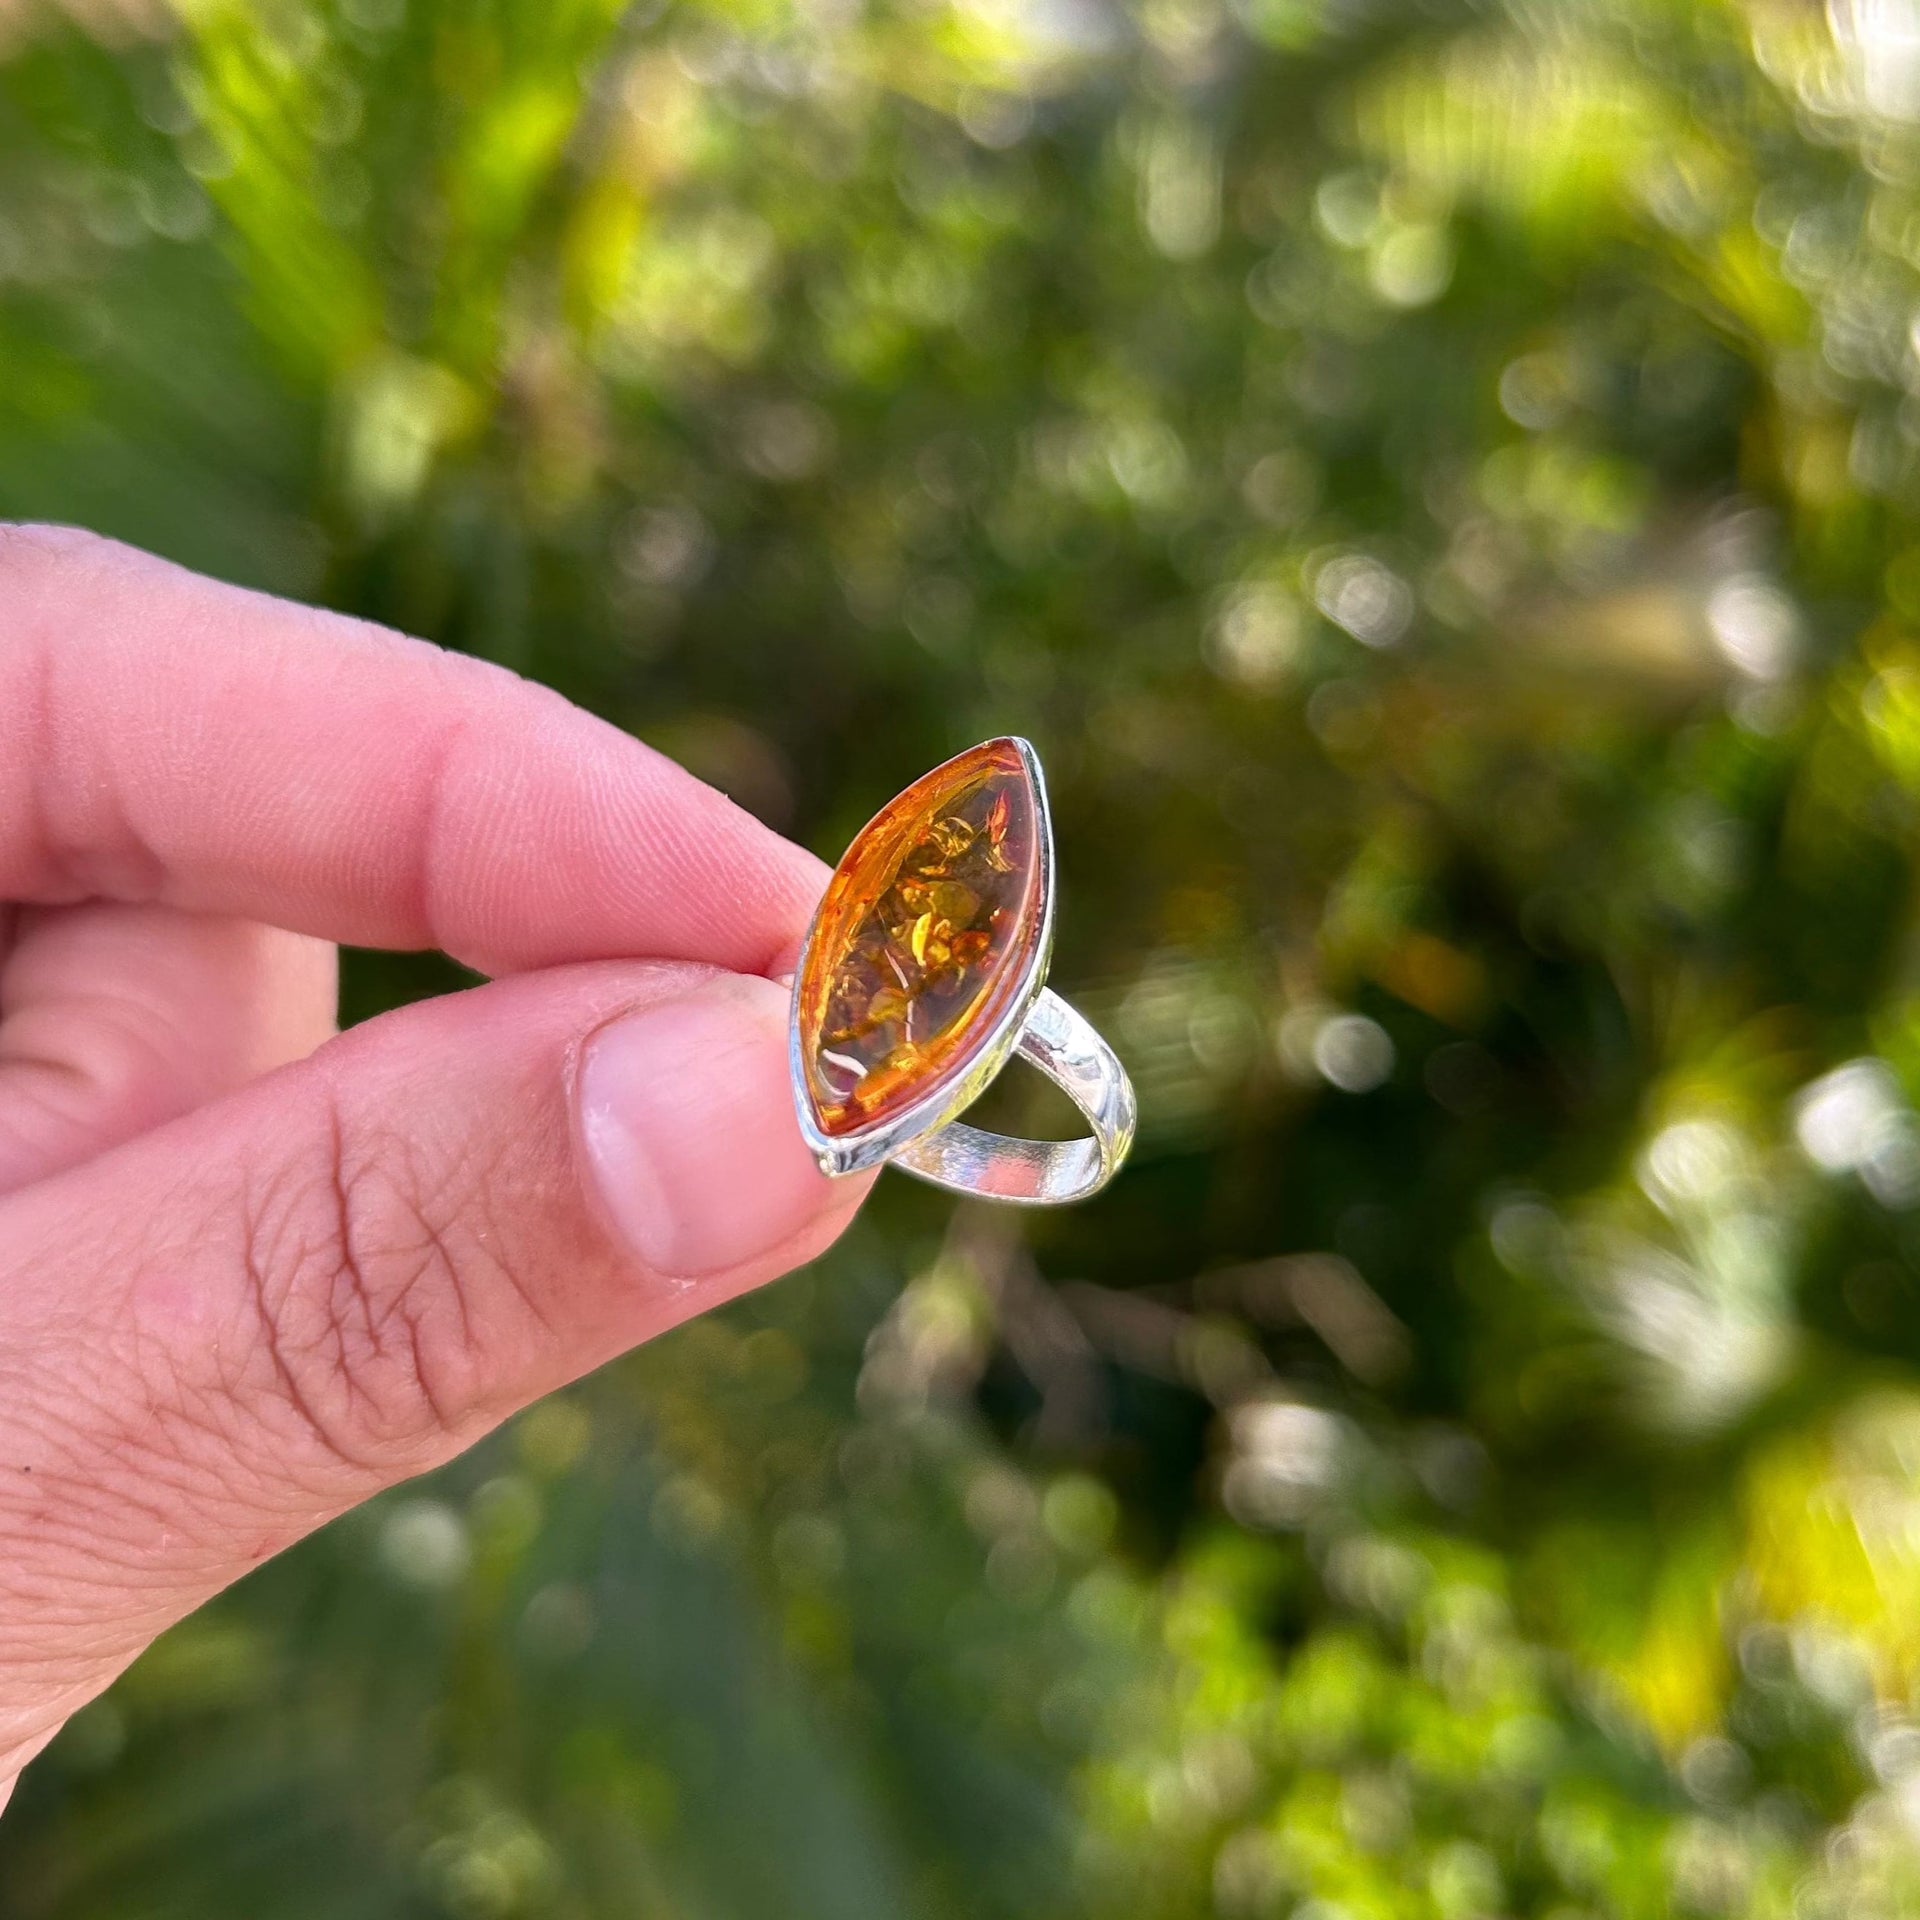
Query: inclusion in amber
x=923, y=939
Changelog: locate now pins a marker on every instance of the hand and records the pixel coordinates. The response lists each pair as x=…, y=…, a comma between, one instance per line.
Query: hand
x=252, y=1272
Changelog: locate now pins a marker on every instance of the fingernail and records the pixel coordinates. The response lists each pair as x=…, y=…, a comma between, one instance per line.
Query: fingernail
x=688, y=1130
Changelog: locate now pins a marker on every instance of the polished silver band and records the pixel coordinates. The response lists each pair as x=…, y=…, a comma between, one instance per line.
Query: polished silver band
x=1040, y=1172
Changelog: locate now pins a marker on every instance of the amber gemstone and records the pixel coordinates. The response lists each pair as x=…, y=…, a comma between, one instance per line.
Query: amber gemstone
x=923, y=939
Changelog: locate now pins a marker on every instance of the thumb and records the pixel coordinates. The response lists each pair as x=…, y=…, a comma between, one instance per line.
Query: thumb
x=219, y=1336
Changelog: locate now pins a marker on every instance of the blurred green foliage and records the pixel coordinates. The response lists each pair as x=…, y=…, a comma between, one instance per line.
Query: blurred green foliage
x=1437, y=480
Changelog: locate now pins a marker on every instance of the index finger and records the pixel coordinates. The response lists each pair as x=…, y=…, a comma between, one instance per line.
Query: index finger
x=164, y=737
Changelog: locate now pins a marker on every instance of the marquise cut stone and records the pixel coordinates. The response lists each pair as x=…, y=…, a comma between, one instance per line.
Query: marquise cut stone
x=924, y=938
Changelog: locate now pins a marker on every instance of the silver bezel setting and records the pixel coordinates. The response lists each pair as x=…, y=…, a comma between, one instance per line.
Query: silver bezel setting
x=871, y=1146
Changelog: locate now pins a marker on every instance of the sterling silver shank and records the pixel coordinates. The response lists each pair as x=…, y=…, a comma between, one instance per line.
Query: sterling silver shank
x=1040, y=1172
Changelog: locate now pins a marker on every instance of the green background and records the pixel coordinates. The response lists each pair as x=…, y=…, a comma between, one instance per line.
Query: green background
x=1437, y=482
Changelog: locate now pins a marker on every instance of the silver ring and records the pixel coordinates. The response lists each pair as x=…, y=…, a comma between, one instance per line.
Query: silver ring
x=925, y=972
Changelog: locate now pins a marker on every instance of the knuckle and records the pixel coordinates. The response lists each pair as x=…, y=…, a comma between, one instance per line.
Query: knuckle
x=33, y=550
x=35, y=562
x=66, y=837
x=27, y=540
x=362, y=1275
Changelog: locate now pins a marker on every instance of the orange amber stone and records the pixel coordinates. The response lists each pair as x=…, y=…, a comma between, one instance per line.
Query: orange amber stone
x=923, y=938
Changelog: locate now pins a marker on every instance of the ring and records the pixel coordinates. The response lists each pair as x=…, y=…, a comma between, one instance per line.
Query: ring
x=925, y=972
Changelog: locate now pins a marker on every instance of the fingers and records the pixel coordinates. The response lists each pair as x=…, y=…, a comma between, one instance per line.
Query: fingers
x=114, y=1019
x=218, y=1336
x=164, y=738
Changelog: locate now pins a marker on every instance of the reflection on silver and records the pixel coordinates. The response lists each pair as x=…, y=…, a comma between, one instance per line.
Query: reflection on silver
x=1040, y=1172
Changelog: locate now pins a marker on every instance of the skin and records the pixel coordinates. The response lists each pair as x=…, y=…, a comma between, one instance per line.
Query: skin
x=252, y=1270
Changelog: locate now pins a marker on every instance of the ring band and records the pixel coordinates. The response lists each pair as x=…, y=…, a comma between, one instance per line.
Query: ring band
x=1065, y=1047
x=925, y=972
